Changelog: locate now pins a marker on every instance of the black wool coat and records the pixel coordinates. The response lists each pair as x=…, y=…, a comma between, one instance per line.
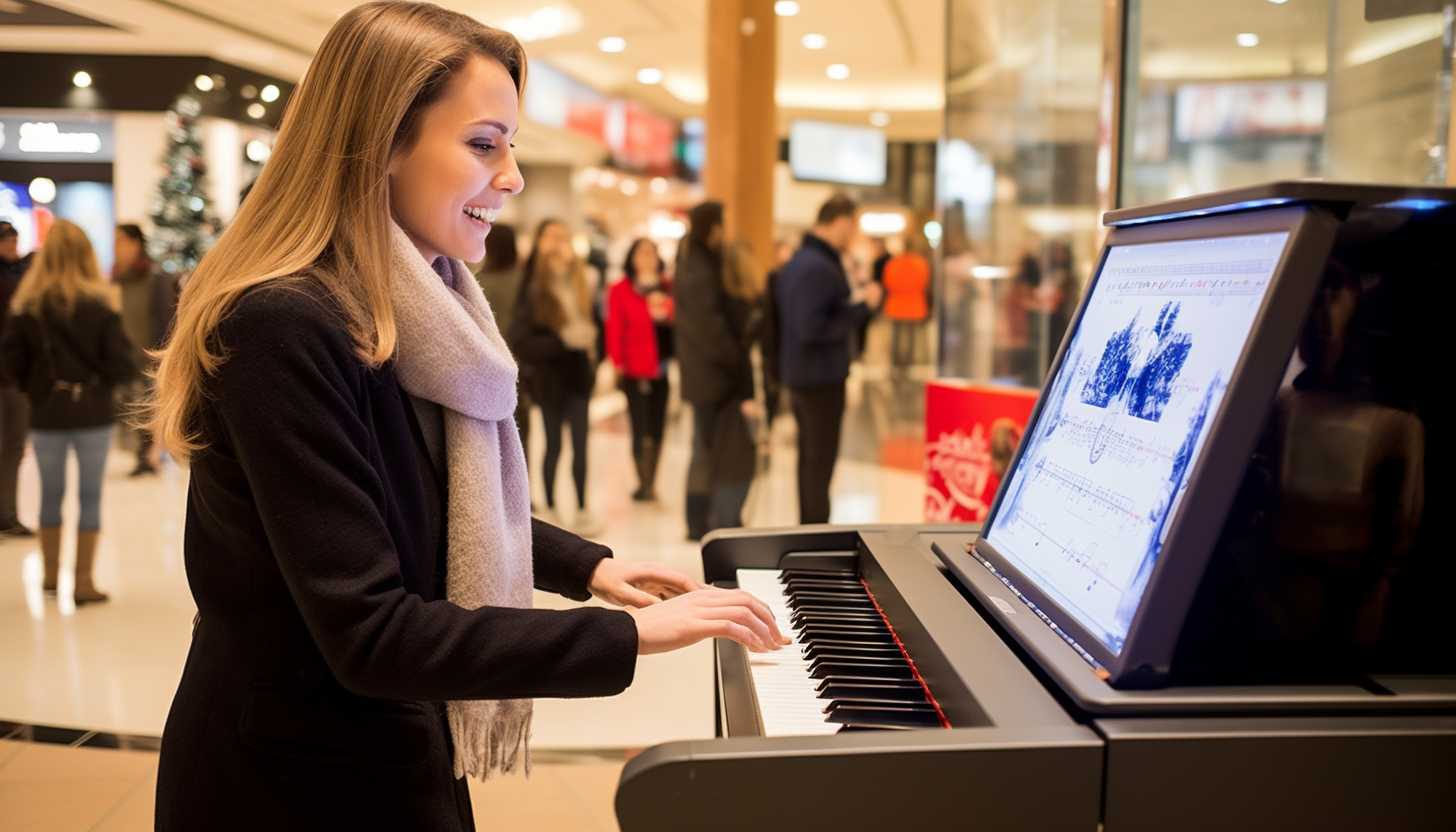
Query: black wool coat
x=88, y=349
x=313, y=694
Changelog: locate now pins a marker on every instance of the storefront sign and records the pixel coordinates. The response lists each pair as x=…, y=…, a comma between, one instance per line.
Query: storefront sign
x=49, y=140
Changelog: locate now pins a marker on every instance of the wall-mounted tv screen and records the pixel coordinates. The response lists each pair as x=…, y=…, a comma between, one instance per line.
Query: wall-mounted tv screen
x=825, y=152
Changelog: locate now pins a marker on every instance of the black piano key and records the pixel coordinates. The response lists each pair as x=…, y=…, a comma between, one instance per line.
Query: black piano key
x=850, y=729
x=884, y=715
x=814, y=651
x=828, y=601
x=843, y=634
x=810, y=584
x=905, y=707
x=844, y=625
x=841, y=670
x=843, y=615
x=823, y=574
x=874, y=689
x=883, y=661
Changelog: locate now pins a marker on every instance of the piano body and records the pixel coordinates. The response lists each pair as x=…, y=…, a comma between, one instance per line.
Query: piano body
x=1020, y=729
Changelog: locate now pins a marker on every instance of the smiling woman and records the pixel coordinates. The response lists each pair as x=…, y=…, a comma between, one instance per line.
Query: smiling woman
x=359, y=540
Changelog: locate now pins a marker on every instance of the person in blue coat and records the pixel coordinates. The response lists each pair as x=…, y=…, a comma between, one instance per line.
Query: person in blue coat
x=819, y=313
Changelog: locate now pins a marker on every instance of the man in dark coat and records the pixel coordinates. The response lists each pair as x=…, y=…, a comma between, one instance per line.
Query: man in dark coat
x=818, y=316
x=14, y=408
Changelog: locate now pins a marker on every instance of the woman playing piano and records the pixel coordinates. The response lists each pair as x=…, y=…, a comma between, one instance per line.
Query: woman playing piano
x=359, y=540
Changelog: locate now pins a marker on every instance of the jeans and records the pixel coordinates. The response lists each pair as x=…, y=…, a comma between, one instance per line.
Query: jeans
x=50, y=447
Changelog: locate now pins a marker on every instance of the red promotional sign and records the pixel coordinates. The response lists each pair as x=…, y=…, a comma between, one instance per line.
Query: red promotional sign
x=971, y=432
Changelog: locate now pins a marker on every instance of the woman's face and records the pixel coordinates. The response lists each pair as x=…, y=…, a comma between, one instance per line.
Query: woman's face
x=645, y=264
x=445, y=190
x=555, y=245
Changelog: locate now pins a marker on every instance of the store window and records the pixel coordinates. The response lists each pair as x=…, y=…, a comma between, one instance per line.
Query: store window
x=1221, y=95
x=1017, y=182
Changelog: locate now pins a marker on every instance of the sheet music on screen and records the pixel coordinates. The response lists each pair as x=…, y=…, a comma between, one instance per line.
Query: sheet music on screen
x=1106, y=466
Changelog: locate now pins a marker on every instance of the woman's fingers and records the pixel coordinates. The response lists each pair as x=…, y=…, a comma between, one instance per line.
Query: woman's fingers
x=720, y=613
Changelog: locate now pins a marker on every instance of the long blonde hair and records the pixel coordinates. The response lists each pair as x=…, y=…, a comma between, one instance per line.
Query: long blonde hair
x=742, y=278
x=320, y=208
x=65, y=269
x=546, y=304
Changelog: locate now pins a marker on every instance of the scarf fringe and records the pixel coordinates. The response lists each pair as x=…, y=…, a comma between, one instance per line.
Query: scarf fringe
x=490, y=737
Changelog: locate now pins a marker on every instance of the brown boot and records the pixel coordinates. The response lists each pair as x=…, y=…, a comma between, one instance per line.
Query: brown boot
x=86, y=591
x=50, y=552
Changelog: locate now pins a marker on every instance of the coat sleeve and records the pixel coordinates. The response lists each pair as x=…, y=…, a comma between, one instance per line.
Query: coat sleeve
x=822, y=316
x=118, y=355
x=564, y=562
x=615, y=329
x=15, y=351
x=288, y=400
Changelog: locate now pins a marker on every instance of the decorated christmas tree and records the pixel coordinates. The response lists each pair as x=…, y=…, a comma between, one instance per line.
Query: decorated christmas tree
x=185, y=225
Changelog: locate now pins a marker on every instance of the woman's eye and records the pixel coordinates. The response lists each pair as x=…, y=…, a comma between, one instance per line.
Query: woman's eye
x=483, y=147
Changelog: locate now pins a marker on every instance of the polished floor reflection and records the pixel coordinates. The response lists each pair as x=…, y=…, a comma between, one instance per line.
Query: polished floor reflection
x=112, y=668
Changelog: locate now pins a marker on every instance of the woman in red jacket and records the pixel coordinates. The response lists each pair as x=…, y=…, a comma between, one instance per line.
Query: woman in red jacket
x=639, y=341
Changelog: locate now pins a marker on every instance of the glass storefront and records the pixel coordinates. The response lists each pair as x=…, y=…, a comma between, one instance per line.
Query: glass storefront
x=1210, y=96
x=1017, y=182
x=1223, y=95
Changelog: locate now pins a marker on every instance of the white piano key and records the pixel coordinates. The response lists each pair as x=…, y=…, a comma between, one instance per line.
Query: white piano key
x=787, y=697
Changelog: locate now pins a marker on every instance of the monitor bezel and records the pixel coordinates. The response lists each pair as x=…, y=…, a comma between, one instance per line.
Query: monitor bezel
x=1146, y=656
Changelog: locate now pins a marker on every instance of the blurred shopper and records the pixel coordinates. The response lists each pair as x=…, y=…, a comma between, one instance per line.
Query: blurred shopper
x=639, y=341
x=359, y=541
x=552, y=331
x=66, y=348
x=14, y=408
x=716, y=375
x=1021, y=325
x=819, y=312
x=1065, y=294
x=148, y=300
x=907, y=289
x=501, y=277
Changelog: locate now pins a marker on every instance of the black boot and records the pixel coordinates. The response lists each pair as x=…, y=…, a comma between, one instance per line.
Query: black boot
x=646, y=472
x=699, y=506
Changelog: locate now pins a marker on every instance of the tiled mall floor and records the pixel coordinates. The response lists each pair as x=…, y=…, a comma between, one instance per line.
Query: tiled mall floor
x=113, y=667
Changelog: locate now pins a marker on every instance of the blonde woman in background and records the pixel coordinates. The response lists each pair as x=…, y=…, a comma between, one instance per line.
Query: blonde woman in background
x=552, y=332
x=65, y=347
x=359, y=540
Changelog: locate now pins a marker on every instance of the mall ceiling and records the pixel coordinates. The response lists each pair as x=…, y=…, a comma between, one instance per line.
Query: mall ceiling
x=894, y=48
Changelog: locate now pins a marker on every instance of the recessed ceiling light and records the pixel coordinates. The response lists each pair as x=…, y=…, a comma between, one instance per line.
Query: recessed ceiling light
x=879, y=118
x=81, y=79
x=1246, y=39
x=203, y=82
x=629, y=187
x=814, y=41
x=1278, y=2
x=256, y=110
x=269, y=93
x=612, y=44
x=248, y=91
x=786, y=8
x=42, y=190
x=650, y=75
x=838, y=72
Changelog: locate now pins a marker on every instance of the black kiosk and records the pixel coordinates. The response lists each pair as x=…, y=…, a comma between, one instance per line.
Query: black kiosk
x=1213, y=592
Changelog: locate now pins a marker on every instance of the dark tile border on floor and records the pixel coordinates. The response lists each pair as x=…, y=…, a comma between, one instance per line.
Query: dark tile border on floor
x=77, y=737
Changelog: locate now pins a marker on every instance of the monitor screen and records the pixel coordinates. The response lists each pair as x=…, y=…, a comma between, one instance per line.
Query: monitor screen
x=1103, y=471
x=824, y=152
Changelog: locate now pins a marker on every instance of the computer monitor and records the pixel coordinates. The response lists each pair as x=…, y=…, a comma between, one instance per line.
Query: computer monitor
x=1109, y=510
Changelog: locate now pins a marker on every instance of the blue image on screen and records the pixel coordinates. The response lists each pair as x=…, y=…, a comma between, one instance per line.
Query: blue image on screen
x=1107, y=463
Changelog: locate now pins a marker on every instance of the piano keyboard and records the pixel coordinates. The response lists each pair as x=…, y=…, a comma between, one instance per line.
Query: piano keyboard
x=844, y=669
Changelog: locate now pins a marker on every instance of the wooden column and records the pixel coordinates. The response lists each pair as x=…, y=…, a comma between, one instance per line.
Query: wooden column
x=1451, y=139
x=742, y=124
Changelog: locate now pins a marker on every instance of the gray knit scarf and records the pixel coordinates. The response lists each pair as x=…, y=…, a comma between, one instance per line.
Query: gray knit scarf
x=451, y=352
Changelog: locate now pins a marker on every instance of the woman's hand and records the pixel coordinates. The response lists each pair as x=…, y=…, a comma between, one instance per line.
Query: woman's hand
x=628, y=584
x=707, y=613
